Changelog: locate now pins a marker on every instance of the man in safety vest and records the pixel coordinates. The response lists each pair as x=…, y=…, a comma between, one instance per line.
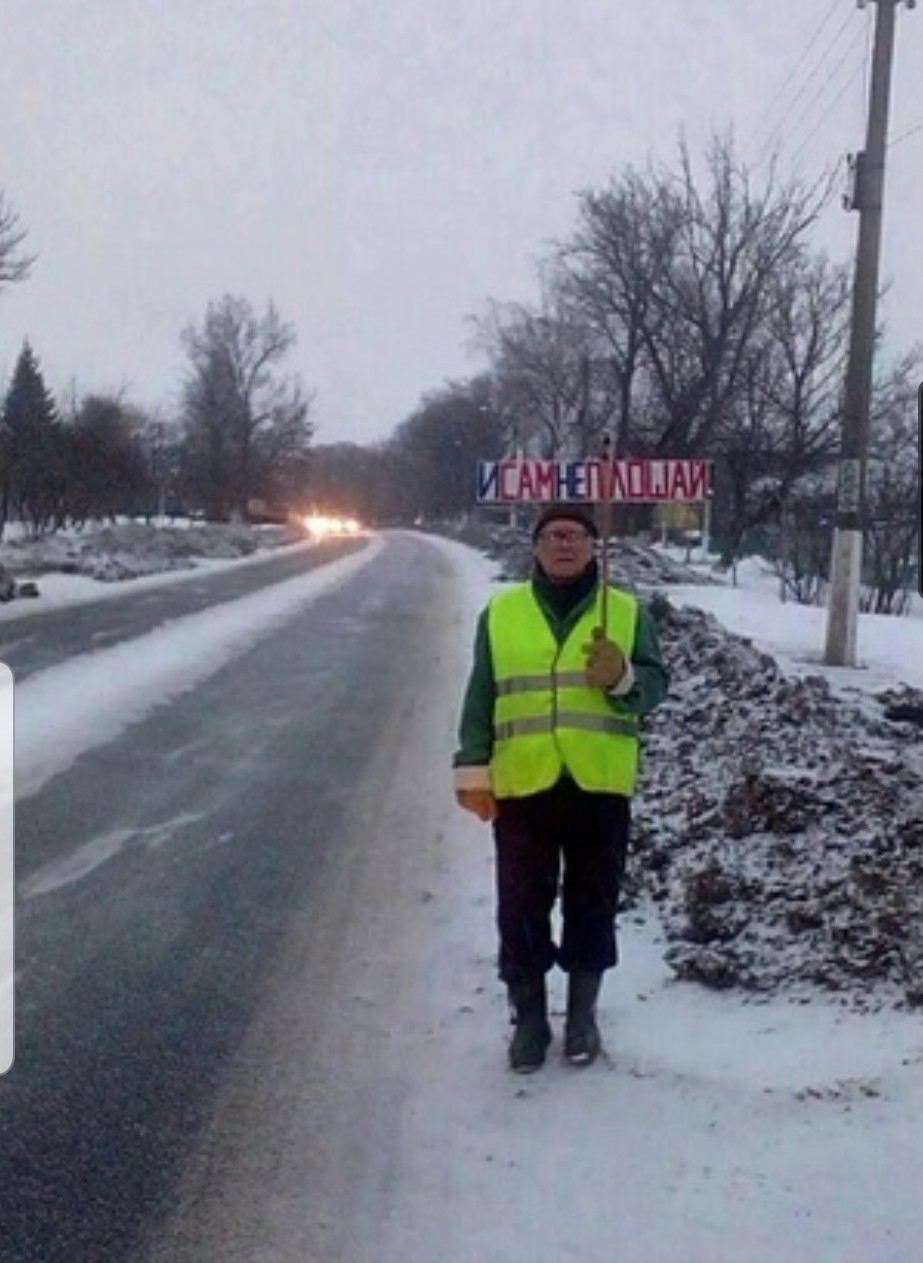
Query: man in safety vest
x=549, y=753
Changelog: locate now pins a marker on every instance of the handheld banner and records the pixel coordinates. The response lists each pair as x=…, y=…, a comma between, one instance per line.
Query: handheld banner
x=526, y=480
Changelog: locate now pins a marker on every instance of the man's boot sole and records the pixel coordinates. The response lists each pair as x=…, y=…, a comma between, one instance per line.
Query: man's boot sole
x=587, y=1055
x=530, y=1069
x=581, y=1060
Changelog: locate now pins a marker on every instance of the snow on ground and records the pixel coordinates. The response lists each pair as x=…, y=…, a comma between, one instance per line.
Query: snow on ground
x=888, y=648
x=71, y=567
x=712, y=1131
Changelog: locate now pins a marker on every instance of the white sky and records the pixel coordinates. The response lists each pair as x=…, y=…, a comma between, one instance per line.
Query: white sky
x=719, y=1132
x=380, y=170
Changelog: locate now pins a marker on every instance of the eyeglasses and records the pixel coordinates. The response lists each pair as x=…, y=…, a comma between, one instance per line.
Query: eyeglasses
x=563, y=537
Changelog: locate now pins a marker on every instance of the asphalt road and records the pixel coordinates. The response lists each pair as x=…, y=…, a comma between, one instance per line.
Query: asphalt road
x=228, y=820
x=34, y=642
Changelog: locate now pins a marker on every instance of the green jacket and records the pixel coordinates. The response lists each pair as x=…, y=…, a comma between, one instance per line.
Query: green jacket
x=475, y=730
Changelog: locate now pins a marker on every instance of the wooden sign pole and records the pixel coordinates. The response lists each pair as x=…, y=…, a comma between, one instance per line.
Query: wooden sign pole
x=605, y=530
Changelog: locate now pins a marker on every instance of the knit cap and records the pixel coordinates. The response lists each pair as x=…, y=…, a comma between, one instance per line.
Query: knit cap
x=575, y=512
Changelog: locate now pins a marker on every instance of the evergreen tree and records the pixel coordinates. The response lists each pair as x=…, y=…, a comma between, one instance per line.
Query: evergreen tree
x=32, y=471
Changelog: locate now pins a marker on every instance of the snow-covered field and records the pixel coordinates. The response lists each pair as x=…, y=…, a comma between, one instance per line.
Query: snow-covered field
x=890, y=649
x=714, y=1130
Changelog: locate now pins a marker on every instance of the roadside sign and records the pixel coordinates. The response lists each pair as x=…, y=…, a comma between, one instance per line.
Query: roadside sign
x=599, y=480
x=592, y=480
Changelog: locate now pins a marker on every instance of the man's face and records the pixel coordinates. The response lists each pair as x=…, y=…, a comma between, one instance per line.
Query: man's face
x=564, y=549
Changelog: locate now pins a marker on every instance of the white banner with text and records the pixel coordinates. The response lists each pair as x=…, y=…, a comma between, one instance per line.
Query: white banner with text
x=523, y=479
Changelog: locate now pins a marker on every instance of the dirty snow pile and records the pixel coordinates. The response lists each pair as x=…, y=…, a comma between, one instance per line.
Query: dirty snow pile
x=127, y=550
x=781, y=832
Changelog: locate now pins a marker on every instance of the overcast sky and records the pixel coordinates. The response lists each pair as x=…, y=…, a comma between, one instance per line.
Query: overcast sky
x=380, y=169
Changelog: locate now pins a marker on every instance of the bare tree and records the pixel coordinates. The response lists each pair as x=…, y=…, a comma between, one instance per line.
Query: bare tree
x=731, y=241
x=783, y=421
x=14, y=265
x=675, y=273
x=892, y=488
x=106, y=465
x=800, y=538
x=436, y=450
x=799, y=544
x=160, y=437
x=611, y=270
x=241, y=413
x=543, y=370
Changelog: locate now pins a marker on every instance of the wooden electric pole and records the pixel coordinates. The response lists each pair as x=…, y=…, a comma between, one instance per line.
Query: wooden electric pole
x=867, y=199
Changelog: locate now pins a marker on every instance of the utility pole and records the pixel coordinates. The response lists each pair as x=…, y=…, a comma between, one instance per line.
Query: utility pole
x=868, y=197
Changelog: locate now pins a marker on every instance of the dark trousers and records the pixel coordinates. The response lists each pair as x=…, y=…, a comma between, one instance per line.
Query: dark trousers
x=566, y=828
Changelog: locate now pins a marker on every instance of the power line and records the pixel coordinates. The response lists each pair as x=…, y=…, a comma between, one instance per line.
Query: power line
x=817, y=67
x=861, y=69
x=911, y=131
x=823, y=117
x=870, y=40
x=807, y=112
x=804, y=53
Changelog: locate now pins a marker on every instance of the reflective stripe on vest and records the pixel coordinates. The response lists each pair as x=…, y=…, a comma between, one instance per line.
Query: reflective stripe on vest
x=546, y=718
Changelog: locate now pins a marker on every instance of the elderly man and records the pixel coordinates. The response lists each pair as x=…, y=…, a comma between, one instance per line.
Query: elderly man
x=548, y=752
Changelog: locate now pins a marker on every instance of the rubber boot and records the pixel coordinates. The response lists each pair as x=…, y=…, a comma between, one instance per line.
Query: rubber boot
x=582, y=1040
x=527, y=1048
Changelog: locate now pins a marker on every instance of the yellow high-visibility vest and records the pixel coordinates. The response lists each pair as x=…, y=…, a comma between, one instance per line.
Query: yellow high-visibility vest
x=546, y=718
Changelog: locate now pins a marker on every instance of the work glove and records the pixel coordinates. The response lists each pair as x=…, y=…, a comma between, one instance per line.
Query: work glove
x=479, y=801
x=605, y=662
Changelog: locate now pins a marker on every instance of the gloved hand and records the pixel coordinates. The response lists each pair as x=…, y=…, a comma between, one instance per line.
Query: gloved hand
x=605, y=662
x=479, y=801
